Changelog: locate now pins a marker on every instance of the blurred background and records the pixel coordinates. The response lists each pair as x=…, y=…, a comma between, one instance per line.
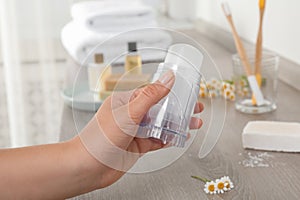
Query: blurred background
x=33, y=59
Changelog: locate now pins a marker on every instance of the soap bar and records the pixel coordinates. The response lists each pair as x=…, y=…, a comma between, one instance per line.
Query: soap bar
x=103, y=94
x=97, y=74
x=272, y=136
x=122, y=82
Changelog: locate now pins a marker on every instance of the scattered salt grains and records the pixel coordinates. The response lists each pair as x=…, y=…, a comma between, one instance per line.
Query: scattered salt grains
x=258, y=160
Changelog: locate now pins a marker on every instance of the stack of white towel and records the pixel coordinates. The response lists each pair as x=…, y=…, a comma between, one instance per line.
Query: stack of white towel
x=106, y=26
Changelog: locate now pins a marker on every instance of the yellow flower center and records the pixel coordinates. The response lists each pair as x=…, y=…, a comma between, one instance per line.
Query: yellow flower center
x=220, y=185
x=227, y=184
x=211, y=188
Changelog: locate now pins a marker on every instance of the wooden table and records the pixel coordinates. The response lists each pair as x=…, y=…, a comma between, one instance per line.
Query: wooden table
x=255, y=174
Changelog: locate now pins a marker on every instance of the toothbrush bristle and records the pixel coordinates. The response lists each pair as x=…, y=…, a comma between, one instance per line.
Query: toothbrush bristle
x=262, y=4
x=226, y=8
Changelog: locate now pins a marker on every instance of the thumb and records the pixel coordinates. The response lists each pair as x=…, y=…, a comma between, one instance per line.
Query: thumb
x=150, y=95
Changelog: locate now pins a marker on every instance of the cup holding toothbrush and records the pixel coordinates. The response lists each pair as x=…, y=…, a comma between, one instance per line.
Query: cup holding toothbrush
x=269, y=73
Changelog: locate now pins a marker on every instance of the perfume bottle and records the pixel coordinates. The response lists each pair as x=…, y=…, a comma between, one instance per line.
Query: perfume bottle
x=97, y=73
x=169, y=119
x=133, y=63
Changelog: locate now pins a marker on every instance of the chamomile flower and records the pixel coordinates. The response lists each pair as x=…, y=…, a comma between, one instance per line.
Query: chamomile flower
x=218, y=85
x=240, y=93
x=210, y=187
x=203, y=93
x=232, y=87
x=214, y=81
x=228, y=185
x=232, y=97
x=246, y=91
x=225, y=86
x=227, y=93
x=203, y=87
x=214, y=88
x=213, y=93
x=210, y=86
x=243, y=82
x=220, y=186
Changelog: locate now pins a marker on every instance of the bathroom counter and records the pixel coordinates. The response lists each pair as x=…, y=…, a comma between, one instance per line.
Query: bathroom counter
x=255, y=174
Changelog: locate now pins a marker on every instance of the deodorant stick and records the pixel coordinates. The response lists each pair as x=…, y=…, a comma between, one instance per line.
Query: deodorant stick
x=169, y=119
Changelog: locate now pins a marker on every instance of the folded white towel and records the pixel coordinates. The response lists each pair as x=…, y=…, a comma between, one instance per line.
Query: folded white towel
x=113, y=16
x=80, y=43
x=85, y=8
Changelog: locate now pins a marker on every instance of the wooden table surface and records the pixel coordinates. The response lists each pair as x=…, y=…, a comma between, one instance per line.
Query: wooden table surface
x=255, y=174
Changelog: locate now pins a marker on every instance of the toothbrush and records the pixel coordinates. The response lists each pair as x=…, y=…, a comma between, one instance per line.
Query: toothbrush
x=258, y=56
x=240, y=48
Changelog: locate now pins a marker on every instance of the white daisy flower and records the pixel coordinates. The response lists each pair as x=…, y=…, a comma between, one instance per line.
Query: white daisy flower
x=218, y=85
x=243, y=82
x=213, y=93
x=227, y=93
x=203, y=93
x=232, y=97
x=228, y=185
x=246, y=91
x=220, y=186
x=214, y=81
x=232, y=87
x=240, y=93
x=210, y=86
x=210, y=187
x=203, y=86
x=225, y=85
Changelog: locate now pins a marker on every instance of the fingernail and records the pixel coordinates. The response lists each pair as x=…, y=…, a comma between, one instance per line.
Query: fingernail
x=166, y=78
x=200, y=122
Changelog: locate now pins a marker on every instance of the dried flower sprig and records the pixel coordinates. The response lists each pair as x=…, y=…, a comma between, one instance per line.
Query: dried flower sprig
x=219, y=186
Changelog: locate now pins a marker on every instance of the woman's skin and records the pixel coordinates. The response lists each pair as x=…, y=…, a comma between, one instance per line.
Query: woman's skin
x=63, y=170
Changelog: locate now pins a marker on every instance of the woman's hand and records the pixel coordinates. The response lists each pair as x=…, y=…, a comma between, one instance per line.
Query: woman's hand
x=104, y=150
x=110, y=136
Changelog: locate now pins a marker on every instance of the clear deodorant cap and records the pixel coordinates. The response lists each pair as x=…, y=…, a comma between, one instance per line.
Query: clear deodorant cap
x=169, y=119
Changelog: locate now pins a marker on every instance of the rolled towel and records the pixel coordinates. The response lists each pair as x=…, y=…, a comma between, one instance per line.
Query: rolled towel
x=272, y=136
x=104, y=16
x=80, y=43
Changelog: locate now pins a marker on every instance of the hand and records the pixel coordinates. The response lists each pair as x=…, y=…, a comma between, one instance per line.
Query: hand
x=99, y=156
x=110, y=136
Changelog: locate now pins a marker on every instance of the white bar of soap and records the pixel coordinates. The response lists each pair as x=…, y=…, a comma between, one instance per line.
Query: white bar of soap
x=272, y=136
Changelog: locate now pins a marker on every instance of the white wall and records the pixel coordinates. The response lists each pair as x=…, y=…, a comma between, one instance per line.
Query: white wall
x=281, y=22
x=32, y=16
x=56, y=13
